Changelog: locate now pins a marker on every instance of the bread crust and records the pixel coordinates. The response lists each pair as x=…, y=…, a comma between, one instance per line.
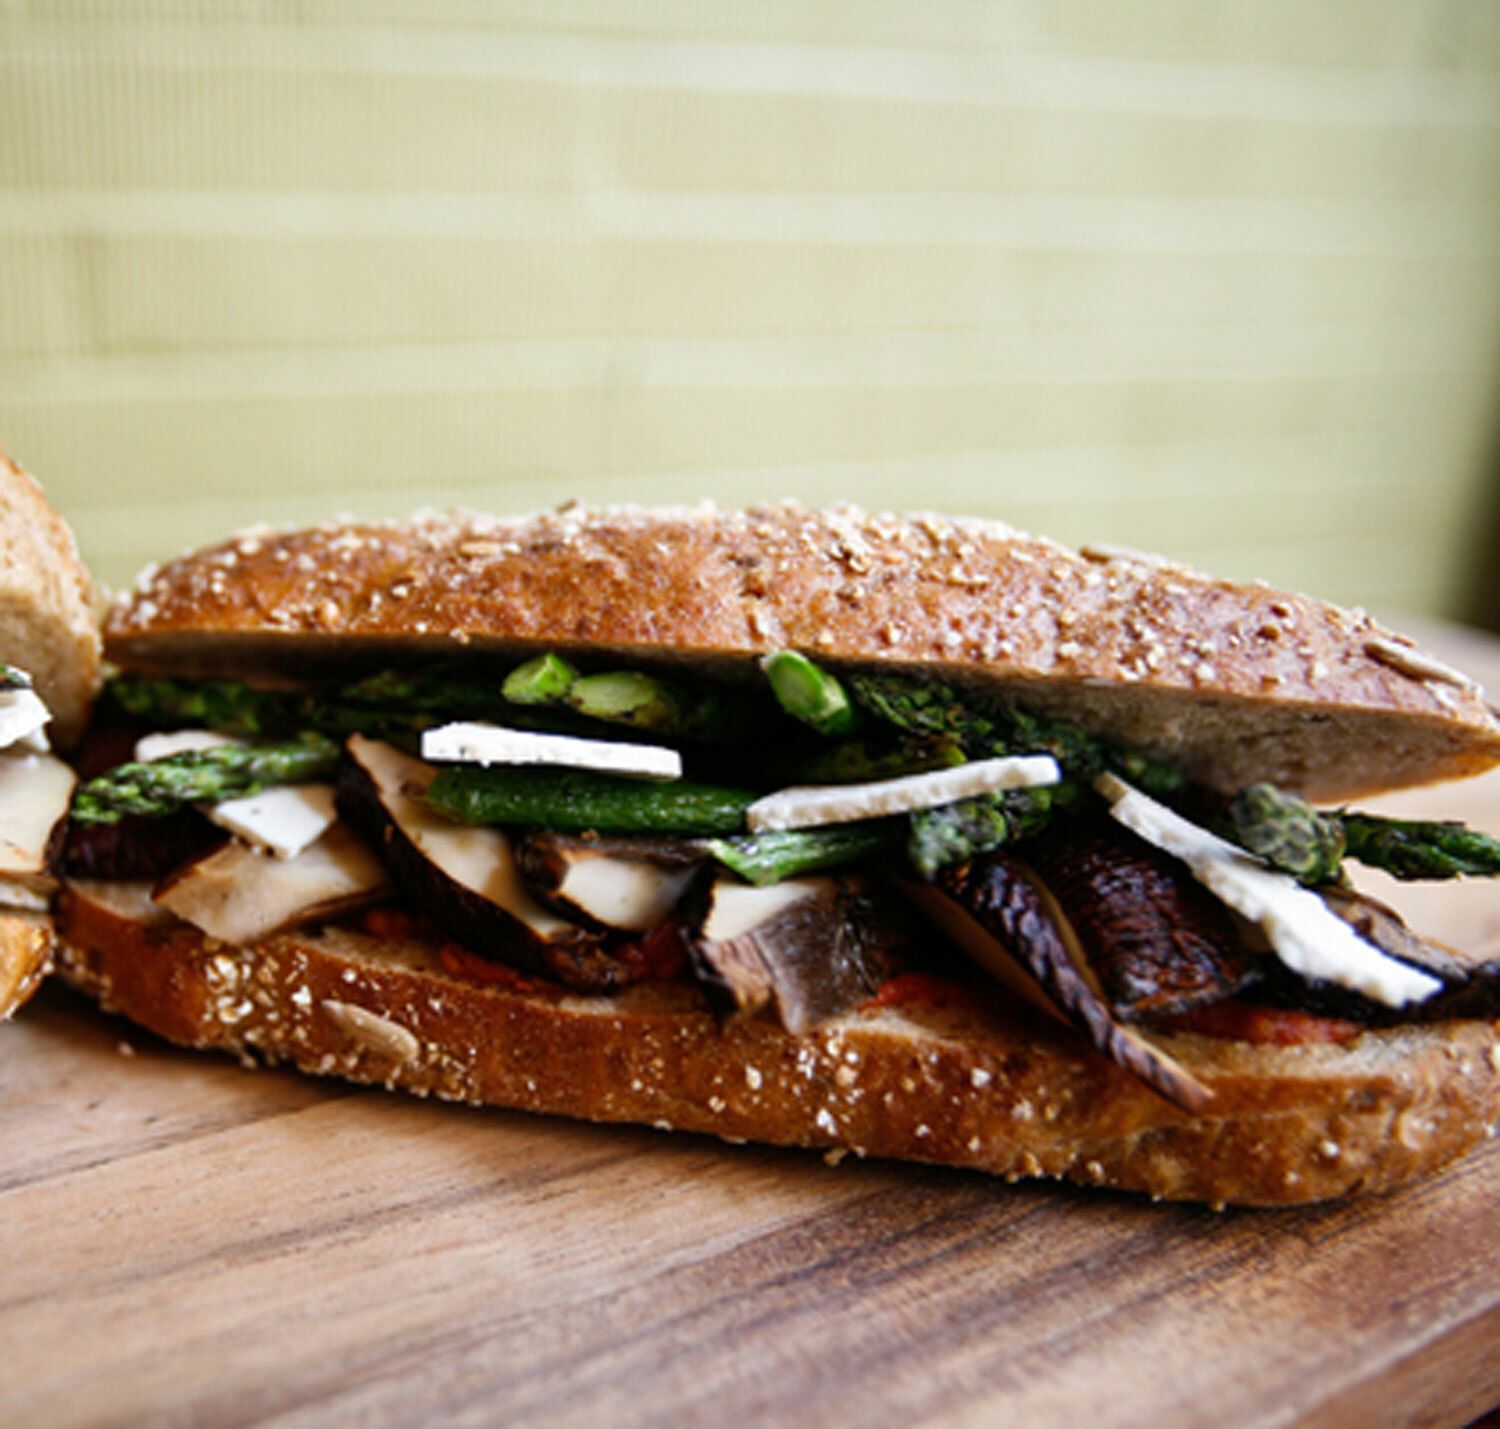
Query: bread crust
x=26, y=944
x=1234, y=681
x=49, y=613
x=988, y=1090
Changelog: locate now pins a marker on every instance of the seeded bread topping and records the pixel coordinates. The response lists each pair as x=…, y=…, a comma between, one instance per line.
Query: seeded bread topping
x=1233, y=681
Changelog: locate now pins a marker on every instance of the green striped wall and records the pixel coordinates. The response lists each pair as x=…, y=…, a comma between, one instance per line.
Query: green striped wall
x=1214, y=277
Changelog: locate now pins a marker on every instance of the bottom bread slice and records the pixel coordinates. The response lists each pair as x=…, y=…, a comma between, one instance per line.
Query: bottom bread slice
x=984, y=1088
x=25, y=958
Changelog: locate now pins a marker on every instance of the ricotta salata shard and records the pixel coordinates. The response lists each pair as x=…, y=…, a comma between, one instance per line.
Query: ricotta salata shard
x=23, y=717
x=472, y=742
x=814, y=805
x=283, y=821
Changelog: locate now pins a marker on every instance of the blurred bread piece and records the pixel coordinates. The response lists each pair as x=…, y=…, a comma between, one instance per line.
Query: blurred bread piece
x=49, y=628
x=26, y=945
x=48, y=610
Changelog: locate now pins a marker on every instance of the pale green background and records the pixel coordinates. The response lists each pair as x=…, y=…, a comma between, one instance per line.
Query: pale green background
x=1219, y=278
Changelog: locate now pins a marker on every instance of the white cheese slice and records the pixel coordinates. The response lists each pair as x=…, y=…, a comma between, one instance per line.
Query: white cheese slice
x=806, y=806
x=35, y=791
x=151, y=747
x=475, y=743
x=23, y=716
x=283, y=820
x=1305, y=934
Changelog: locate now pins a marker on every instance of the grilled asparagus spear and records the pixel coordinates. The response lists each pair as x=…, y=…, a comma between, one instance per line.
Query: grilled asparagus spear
x=203, y=777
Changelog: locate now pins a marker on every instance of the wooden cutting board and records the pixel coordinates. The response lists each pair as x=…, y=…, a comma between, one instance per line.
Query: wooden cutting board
x=186, y=1241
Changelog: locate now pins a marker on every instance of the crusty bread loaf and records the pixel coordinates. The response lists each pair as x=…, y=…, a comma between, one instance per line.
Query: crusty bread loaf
x=25, y=958
x=987, y=1089
x=48, y=621
x=1235, y=682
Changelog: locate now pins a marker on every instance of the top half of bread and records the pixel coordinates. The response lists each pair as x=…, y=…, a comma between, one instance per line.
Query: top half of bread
x=48, y=617
x=1237, y=682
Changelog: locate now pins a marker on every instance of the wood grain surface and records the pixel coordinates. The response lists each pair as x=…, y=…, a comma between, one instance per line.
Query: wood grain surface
x=184, y=1241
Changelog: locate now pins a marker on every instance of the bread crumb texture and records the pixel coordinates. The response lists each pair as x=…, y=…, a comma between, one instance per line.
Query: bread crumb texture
x=988, y=1090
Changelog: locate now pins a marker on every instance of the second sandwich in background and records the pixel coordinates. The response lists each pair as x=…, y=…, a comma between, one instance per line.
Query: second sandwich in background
x=49, y=674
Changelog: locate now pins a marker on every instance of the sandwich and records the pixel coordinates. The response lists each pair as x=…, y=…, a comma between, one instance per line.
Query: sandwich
x=898, y=836
x=49, y=672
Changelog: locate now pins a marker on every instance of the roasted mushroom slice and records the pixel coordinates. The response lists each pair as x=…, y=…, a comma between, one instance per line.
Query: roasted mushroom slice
x=625, y=883
x=1007, y=923
x=1470, y=989
x=138, y=846
x=809, y=948
x=34, y=792
x=239, y=894
x=1156, y=941
x=465, y=877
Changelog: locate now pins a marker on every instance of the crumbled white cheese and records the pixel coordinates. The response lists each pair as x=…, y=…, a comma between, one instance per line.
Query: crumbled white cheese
x=806, y=806
x=283, y=820
x=470, y=742
x=23, y=716
x=1306, y=935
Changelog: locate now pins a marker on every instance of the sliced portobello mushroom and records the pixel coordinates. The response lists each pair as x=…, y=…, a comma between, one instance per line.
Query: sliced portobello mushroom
x=138, y=846
x=807, y=949
x=1470, y=989
x=35, y=790
x=1156, y=941
x=466, y=877
x=1008, y=923
x=239, y=894
x=623, y=883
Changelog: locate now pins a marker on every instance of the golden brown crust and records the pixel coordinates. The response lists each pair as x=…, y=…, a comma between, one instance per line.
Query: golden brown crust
x=48, y=624
x=1236, y=681
x=918, y=1082
x=25, y=958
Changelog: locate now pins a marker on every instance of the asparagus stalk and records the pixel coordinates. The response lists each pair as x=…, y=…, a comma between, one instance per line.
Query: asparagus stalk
x=1421, y=849
x=578, y=801
x=769, y=858
x=1286, y=831
x=856, y=761
x=229, y=706
x=203, y=777
x=809, y=694
x=955, y=832
x=984, y=729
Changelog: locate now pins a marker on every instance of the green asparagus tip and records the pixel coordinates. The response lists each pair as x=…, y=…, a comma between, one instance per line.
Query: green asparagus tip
x=626, y=697
x=808, y=693
x=545, y=680
x=1286, y=831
